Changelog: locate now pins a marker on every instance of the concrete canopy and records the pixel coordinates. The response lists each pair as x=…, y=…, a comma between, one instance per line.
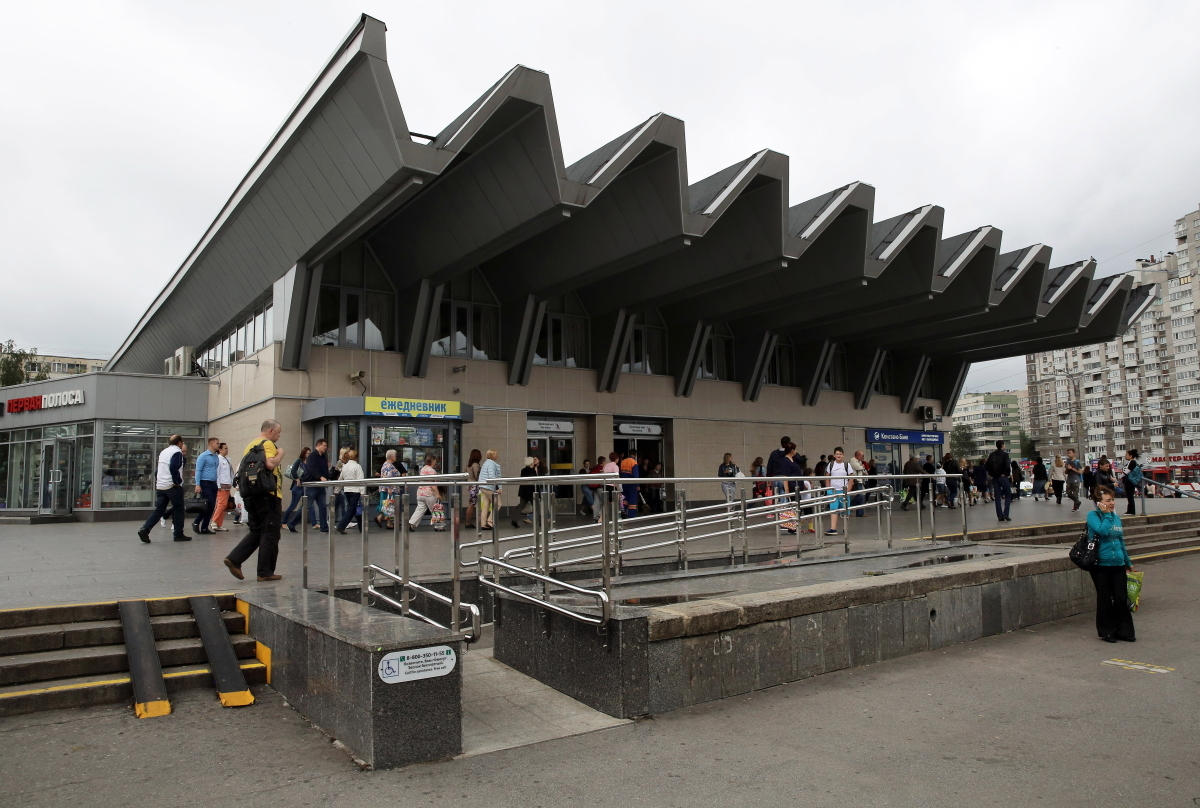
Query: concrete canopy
x=624, y=230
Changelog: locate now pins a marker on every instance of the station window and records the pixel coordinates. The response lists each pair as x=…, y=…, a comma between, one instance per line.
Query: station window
x=356, y=307
x=253, y=331
x=716, y=360
x=469, y=320
x=885, y=384
x=563, y=338
x=647, y=352
x=837, y=377
x=781, y=367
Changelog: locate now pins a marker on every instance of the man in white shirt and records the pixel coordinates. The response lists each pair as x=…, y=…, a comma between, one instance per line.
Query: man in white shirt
x=840, y=479
x=168, y=482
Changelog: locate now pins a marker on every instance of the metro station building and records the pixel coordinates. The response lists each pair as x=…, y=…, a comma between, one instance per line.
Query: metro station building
x=470, y=289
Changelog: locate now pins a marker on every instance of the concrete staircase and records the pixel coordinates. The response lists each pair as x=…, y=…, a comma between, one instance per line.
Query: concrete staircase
x=71, y=656
x=1148, y=538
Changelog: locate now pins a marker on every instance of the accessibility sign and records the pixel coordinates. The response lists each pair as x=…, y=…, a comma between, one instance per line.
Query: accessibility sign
x=417, y=663
x=904, y=436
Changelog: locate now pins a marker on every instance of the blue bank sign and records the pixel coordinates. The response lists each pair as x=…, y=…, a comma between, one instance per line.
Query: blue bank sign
x=904, y=436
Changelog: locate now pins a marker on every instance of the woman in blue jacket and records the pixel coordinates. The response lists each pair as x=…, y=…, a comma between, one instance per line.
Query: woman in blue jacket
x=1114, y=621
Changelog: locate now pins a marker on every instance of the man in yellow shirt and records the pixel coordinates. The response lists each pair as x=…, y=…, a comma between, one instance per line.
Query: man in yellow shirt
x=264, y=512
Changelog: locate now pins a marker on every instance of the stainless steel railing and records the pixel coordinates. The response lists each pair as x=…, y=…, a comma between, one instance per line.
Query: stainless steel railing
x=551, y=547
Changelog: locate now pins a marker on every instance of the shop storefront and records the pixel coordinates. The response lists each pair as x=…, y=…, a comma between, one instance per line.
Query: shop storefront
x=891, y=448
x=1176, y=468
x=64, y=450
x=415, y=428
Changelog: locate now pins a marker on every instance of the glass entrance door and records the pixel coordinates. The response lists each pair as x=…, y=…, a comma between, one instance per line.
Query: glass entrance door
x=643, y=449
x=57, y=479
x=556, y=455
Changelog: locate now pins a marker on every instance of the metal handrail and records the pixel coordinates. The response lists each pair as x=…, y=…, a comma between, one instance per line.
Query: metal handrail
x=617, y=537
x=601, y=596
x=476, y=616
x=1166, y=487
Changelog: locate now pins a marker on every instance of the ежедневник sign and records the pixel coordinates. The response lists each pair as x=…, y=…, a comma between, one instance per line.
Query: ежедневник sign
x=411, y=407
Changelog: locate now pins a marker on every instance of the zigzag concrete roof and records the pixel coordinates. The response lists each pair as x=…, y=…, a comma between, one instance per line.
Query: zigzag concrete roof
x=625, y=229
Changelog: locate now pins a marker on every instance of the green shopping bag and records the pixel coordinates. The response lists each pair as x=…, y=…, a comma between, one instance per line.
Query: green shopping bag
x=1133, y=585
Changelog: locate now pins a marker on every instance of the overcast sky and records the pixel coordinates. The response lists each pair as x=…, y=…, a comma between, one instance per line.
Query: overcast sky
x=127, y=125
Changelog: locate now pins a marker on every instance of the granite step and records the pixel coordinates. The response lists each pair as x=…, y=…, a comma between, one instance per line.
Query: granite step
x=64, y=663
x=52, y=636
x=112, y=688
x=104, y=610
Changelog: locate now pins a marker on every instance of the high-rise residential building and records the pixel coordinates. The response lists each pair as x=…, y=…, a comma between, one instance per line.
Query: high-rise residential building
x=1140, y=391
x=991, y=417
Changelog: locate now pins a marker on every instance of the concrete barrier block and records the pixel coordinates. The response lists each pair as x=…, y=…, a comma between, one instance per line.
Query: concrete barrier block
x=958, y=618
x=862, y=634
x=835, y=649
x=1050, y=561
x=738, y=652
x=701, y=663
x=763, y=607
x=667, y=677
x=808, y=645
x=916, y=625
x=890, y=617
x=1083, y=591
x=992, y=615
x=664, y=624
x=707, y=616
x=773, y=652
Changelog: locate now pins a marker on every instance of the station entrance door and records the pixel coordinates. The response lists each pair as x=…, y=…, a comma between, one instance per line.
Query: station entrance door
x=556, y=455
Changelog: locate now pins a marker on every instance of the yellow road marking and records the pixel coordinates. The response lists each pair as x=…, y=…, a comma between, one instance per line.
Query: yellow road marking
x=76, y=686
x=1168, y=552
x=125, y=680
x=112, y=602
x=1130, y=665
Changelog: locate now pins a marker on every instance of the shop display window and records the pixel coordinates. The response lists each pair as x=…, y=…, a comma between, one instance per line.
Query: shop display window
x=412, y=444
x=129, y=460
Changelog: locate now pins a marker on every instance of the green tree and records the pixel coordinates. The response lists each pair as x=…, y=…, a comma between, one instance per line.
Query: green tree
x=14, y=363
x=962, y=444
x=1028, y=447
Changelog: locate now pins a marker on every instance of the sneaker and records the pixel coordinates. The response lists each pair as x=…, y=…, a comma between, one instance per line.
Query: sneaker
x=144, y=536
x=162, y=522
x=831, y=532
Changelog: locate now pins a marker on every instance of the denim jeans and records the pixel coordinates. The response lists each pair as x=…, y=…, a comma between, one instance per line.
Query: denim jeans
x=173, y=496
x=1002, y=489
x=208, y=490
x=348, y=509
x=317, y=497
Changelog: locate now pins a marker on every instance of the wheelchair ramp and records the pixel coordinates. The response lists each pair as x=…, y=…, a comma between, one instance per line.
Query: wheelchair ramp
x=503, y=708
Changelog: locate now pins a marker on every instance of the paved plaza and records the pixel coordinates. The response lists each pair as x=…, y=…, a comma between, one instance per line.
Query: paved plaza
x=84, y=562
x=1041, y=716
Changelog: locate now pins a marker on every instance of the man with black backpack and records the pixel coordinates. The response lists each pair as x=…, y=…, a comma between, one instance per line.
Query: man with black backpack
x=260, y=481
x=999, y=468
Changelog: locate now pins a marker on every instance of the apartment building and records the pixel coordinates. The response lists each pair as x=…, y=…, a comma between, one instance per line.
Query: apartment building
x=1140, y=391
x=61, y=367
x=991, y=417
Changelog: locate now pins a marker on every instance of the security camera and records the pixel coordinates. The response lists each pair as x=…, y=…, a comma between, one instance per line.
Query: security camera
x=356, y=375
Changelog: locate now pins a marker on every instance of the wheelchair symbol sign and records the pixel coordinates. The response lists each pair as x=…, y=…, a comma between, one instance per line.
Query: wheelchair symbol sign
x=417, y=663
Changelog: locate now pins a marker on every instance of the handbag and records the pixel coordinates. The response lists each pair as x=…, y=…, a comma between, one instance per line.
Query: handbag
x=437, y=516
x=1086, y=551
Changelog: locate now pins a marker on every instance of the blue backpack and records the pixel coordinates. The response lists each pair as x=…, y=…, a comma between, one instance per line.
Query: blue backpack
x=1134, y=476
